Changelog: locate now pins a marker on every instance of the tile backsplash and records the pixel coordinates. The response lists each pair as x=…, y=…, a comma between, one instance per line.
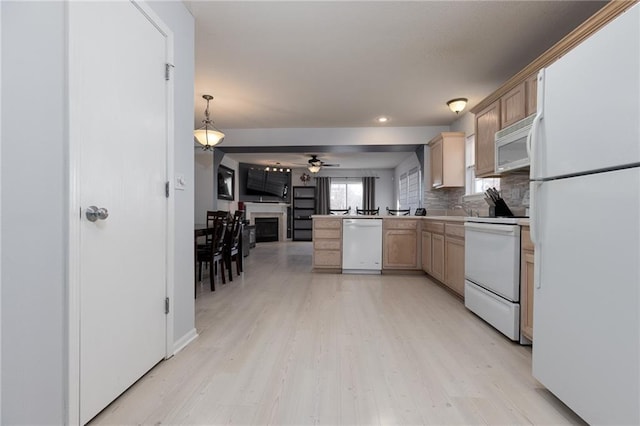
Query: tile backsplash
x=512, y=188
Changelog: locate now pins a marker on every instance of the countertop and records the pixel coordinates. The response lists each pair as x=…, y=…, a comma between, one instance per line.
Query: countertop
x=448, y=218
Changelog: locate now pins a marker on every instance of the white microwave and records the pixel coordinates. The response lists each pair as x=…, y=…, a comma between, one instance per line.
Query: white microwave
x=511, y=146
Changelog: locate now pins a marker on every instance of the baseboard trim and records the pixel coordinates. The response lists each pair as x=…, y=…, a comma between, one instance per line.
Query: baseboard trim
x=182, y=343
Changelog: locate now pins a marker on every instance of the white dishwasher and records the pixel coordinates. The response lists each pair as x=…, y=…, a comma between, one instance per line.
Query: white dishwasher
x=361, y=246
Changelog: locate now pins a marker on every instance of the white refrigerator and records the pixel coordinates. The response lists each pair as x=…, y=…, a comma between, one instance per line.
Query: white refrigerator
x=585, y=223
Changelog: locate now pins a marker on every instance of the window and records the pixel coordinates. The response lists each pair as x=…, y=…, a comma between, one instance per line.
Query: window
x=345, y=194
x=475, y=185
x=409, y=189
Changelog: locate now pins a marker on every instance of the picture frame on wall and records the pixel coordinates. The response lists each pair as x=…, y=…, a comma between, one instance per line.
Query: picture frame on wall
x=226, y=183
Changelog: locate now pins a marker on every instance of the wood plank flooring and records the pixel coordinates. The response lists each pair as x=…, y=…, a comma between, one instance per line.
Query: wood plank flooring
x=282, y=345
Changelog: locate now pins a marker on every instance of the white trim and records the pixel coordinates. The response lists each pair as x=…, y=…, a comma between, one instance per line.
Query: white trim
x=0, y=217
x=182, y=342
x=170, y=253
x=73, y=291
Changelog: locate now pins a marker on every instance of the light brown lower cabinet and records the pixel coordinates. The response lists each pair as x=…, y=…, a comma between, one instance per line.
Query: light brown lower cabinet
x=327, y=243
x=437, y=257
x=443, y=253
x=426, y=251
x=526, y=285
x=400, y=249
x=454, y=264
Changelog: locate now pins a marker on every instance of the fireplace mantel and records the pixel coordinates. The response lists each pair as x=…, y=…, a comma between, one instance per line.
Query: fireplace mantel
x=279, y=210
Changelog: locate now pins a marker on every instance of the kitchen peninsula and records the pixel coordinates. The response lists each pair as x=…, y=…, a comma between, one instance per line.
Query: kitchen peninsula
x=410, y=244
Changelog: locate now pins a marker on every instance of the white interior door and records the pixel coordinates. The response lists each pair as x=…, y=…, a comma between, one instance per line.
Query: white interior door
x=118, y=123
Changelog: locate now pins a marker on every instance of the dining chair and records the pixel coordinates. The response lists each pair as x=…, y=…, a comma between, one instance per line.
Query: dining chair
x=232, y=249
x=371, y=212
x=212, y=252
x=398, y=212
x=340, y=211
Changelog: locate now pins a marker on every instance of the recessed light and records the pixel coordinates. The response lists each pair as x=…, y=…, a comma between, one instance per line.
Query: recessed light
x=382, y=119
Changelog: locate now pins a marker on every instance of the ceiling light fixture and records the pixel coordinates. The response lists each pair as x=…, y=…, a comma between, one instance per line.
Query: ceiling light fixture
x=314, y=168
x=382, y=119
x=457, y=105
x=208, y=135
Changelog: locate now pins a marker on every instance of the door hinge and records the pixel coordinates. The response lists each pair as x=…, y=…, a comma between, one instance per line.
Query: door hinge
x=166, y=306
x=167, y=71
x=166, y=189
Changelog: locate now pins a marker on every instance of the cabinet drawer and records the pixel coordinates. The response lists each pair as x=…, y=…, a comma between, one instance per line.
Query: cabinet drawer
x=327, y=223
x=526, y=239
x=326, y=233
x=400, y=224
x=437, y=227
x=332, y=258
x=320, y=244
x=454, y=230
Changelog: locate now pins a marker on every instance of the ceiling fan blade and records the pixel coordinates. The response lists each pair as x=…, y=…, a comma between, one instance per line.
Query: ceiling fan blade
x=330, y=165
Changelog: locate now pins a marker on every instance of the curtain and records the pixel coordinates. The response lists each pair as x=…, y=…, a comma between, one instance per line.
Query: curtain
x=323, y=195
x=369, y=192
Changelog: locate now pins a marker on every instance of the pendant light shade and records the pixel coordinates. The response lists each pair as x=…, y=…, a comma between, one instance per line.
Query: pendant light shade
x=314, y=168
x=208, y=135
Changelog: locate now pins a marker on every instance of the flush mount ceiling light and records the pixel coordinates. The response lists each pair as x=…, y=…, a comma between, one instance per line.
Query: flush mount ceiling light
x=208, y=135
x=457, y=105
x=383, y=119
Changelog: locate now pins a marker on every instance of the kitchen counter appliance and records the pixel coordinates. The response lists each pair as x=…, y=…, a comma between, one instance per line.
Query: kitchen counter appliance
x=362, y=246
x=585, y=225
x=492, y=272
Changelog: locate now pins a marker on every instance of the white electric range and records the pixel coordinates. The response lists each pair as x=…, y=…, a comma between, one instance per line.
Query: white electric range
x=492, y=272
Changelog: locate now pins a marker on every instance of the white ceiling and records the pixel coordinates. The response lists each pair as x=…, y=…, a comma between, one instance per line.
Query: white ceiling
x=348, y=160
x=293, y=64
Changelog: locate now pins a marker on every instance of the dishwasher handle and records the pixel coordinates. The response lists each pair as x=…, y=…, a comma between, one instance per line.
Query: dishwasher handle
x=365, y=223
x=492, y=228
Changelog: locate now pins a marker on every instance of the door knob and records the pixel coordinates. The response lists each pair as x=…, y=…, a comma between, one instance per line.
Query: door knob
x=94, y=213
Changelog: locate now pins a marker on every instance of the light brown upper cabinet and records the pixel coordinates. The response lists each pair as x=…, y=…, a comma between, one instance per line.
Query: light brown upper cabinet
x=487, y=124
x=513, y=105
x=531, y=89
x=447, y=160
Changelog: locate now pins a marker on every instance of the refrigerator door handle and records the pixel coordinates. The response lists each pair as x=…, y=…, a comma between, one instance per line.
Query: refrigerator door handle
x=532, y=141
x=533, y=229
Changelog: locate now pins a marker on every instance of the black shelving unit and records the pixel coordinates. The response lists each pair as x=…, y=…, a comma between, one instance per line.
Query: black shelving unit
x=304, y=205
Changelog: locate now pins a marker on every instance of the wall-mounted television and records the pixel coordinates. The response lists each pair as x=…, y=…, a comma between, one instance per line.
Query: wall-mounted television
x=256, y=183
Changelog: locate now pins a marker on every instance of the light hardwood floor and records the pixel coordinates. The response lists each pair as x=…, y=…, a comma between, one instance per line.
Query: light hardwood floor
x=282, y=345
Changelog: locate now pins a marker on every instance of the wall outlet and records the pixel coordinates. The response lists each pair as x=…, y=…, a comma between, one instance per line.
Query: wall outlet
x=180, y=182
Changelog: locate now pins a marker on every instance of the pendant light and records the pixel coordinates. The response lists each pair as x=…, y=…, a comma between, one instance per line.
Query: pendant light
x=208, y=135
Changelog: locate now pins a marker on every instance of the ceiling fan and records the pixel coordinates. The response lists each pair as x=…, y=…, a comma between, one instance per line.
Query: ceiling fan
x=315, y=164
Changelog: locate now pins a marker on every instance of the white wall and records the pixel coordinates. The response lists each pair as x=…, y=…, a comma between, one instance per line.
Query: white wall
x=465, y=123
x=34, y=211
x=35, y=199
x=203, y=183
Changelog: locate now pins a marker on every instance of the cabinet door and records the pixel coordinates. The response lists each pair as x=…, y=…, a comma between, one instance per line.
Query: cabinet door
x=513, y=105
x=531, y=89
x=426, y=252
x=526, y=295
x=400, y=249
x=437, y=256
x=487, y=124
x=454, y=264
x=436, y=154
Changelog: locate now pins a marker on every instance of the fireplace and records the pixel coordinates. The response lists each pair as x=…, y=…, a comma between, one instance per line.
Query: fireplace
x=266, y=229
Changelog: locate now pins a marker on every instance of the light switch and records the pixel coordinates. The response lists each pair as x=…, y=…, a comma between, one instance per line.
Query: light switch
x=181, y=183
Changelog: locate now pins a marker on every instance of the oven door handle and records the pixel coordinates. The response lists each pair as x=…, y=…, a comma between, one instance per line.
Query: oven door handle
x=492, y=228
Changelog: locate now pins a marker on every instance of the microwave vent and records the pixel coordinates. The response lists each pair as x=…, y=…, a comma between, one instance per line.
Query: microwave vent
x=516, y=126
